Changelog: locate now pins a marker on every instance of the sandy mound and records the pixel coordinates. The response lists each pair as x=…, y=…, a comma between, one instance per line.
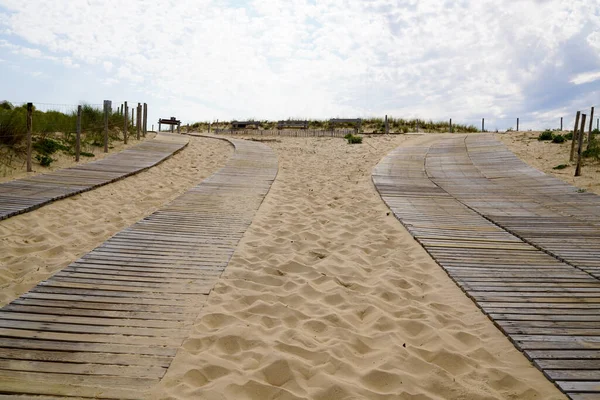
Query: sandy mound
x=545, y=155
x=328, y=297
x=35, y=245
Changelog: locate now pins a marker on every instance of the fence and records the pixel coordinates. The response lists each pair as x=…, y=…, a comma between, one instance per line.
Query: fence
x=20, y=121
x=340, y=133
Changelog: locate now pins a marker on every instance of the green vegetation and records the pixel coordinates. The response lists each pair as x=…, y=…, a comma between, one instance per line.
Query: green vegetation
x=369, y=125
x=44, y=159
x=54, y=131
x=558, y=139
x=546, y=135
x=594, y=150
x=353, y=139
x=561, y=166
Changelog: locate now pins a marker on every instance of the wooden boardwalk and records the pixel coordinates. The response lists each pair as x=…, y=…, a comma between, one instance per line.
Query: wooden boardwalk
x=23, y=195
x=452, y=199
x=109, y=324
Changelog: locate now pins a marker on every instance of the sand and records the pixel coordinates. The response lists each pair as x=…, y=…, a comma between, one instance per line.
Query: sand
x=329, y=297
x=18, y=167
x=37, y=244
x=545, y=155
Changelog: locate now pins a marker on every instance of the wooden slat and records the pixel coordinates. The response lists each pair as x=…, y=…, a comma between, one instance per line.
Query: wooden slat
x=121, y=311
x=542, y=290
x=23, y=195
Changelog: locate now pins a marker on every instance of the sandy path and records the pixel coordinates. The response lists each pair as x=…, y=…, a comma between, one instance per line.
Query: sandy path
x=329, y=297
x=35, y=245
x=545, y=155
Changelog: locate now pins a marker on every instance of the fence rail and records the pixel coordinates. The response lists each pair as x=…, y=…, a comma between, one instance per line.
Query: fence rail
x=21, y=120
x=340, y=133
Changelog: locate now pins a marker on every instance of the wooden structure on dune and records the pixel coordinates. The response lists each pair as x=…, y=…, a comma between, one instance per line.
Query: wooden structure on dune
x=356, y=122
x=244, y=124
x=292, y=124
x=171, y=121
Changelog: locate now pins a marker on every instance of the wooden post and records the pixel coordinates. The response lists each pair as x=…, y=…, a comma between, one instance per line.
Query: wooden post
x=561, y=124
x=106, y=108
x=590, y=130
x=517, y=124
x=121, y=109
x=29, y=132
x=572, y=155
x=417, y=125
x=138, y=120
x=209, y=127
x=78, y=137
x=152, y=127
x=145, y=119
x=580, y=145
x=132, y=118
x=125, y=127
x=482, y=124
x=387, y=126
x=450, y=125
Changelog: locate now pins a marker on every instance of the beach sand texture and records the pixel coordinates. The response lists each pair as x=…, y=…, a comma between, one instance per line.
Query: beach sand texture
x=329, y=297
x=37, y=244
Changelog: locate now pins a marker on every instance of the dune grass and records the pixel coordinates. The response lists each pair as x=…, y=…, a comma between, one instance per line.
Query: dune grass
x=54, y=130
x=368, y=125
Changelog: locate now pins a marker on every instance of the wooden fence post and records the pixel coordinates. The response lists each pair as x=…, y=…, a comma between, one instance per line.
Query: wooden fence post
x=561, y=124
x=387, y=126
x=482, y=124
x=78, y=137
x=145, y=119
x=121, y=109
x=589, y=145
x=138, y=113
x=106, y=106
x=572, y=155
x=517, y=124
x=132, y=117
x=580, y=145
x=125, y=127
x=450, y=125
x=29, y=133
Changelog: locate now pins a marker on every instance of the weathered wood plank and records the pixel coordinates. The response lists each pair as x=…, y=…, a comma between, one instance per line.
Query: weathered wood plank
x=109, y=324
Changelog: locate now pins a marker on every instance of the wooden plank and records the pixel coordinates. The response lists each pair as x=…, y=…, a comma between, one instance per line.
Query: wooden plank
x=120, y=312
x=488, y=235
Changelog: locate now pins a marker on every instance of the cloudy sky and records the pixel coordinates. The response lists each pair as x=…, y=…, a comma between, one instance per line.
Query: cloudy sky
x=268, y=59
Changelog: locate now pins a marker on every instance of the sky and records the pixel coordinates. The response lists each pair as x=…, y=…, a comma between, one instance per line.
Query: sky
x=204, y=60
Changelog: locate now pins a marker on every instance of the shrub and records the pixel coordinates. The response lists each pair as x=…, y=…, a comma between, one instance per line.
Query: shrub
x=86, y=154
x=546, y=135
x=558, y=139
x=44, y=159
x=47, y=146
x=568, y=136
x=13, y=127
x=561, y=166
x=353, y=139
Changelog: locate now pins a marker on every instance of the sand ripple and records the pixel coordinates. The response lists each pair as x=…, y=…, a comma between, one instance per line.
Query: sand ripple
x=328, y=297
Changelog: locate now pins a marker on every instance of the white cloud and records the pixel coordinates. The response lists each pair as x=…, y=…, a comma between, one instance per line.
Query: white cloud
x=586, y=77
x=271, y=59
x=108, y=66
